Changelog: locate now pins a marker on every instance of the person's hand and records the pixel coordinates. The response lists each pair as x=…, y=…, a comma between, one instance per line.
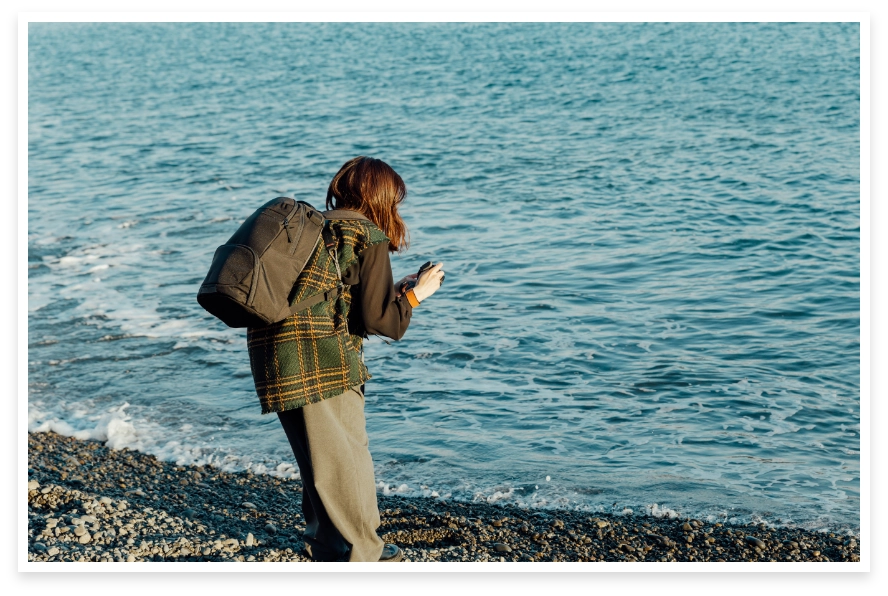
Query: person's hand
x=429, y=282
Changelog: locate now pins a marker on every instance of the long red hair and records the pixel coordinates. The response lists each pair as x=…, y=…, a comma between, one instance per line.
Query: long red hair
x=371, y=187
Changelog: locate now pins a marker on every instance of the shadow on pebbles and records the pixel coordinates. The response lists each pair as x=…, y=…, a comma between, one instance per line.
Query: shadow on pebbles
x=87, y=502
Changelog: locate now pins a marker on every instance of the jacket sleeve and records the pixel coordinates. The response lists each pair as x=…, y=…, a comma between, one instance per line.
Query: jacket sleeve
x=383, y=311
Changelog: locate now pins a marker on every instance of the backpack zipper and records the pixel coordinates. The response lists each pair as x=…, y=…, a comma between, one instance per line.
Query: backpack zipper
x=286, y=222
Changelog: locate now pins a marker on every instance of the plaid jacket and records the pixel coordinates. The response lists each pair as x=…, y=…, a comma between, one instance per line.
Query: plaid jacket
x=311, y=356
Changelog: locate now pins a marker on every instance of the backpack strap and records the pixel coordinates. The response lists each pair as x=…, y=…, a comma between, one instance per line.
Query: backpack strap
x=329, y=244
x=331, y=294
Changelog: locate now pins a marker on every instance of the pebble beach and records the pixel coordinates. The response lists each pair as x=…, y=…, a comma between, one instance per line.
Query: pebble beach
x=87, y=502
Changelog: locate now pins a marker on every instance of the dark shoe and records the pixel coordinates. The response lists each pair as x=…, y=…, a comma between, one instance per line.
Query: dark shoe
x=391, y=554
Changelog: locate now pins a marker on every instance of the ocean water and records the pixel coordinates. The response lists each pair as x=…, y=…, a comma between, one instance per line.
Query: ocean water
x=650, y=231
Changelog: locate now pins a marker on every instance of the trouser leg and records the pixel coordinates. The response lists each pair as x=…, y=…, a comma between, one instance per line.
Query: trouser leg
x=331, y=546
x=337, y=458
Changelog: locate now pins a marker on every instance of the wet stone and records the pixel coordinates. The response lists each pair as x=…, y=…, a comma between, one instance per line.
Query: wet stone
x=756, y=542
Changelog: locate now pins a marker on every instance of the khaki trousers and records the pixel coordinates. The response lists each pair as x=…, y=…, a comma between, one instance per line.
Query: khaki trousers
x=330, y=442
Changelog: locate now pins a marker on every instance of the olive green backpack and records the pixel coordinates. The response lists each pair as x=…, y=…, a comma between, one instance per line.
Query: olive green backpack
x=252, y=278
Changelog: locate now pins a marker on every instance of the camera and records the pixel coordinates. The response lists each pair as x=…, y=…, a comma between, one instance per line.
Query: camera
x=412, y=283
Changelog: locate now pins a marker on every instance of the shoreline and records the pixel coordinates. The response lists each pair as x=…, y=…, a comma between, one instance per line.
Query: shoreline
x=87, y=502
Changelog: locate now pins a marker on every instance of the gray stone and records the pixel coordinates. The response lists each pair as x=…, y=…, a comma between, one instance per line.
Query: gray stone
x=752, y=540
x=502, y=548
x=39, y=547
x=247, y=505
x=270, y=528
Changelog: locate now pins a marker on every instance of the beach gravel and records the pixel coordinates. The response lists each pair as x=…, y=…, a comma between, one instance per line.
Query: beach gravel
x=87, y=502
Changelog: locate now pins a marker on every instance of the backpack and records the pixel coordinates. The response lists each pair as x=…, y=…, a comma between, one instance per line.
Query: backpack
x=253, y=276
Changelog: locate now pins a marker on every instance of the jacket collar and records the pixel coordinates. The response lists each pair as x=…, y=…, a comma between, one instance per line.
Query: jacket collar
x=344, y=214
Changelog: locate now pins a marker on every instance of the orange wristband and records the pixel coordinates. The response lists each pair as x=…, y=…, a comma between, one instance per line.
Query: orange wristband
x=411, y=298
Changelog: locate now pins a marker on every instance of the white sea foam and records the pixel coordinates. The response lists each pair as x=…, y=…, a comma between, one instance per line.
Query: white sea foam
x=656, y=511
x=117, y=429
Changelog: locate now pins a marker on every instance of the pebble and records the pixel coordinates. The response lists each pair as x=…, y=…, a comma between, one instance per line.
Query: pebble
x=271, y=529
x=39, y=546
x=33, y=485
x=602, y=524
x=755, y=541
x=250, y=541
x=85, y=538
x=248, y=505
x=502, y=548
x=687, y=527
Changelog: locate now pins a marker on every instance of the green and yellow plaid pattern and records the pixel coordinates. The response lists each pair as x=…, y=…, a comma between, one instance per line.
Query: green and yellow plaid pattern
x=311, y=356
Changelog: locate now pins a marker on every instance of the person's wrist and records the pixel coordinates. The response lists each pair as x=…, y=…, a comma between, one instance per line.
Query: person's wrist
x=412, y=298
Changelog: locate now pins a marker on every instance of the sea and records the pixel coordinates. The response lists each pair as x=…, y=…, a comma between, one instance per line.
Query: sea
x=650, y=232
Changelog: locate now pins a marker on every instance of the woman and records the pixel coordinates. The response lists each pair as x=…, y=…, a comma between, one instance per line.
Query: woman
x=309, y=368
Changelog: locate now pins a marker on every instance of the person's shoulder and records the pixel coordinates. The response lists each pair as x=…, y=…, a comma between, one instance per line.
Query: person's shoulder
x=354, y=223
